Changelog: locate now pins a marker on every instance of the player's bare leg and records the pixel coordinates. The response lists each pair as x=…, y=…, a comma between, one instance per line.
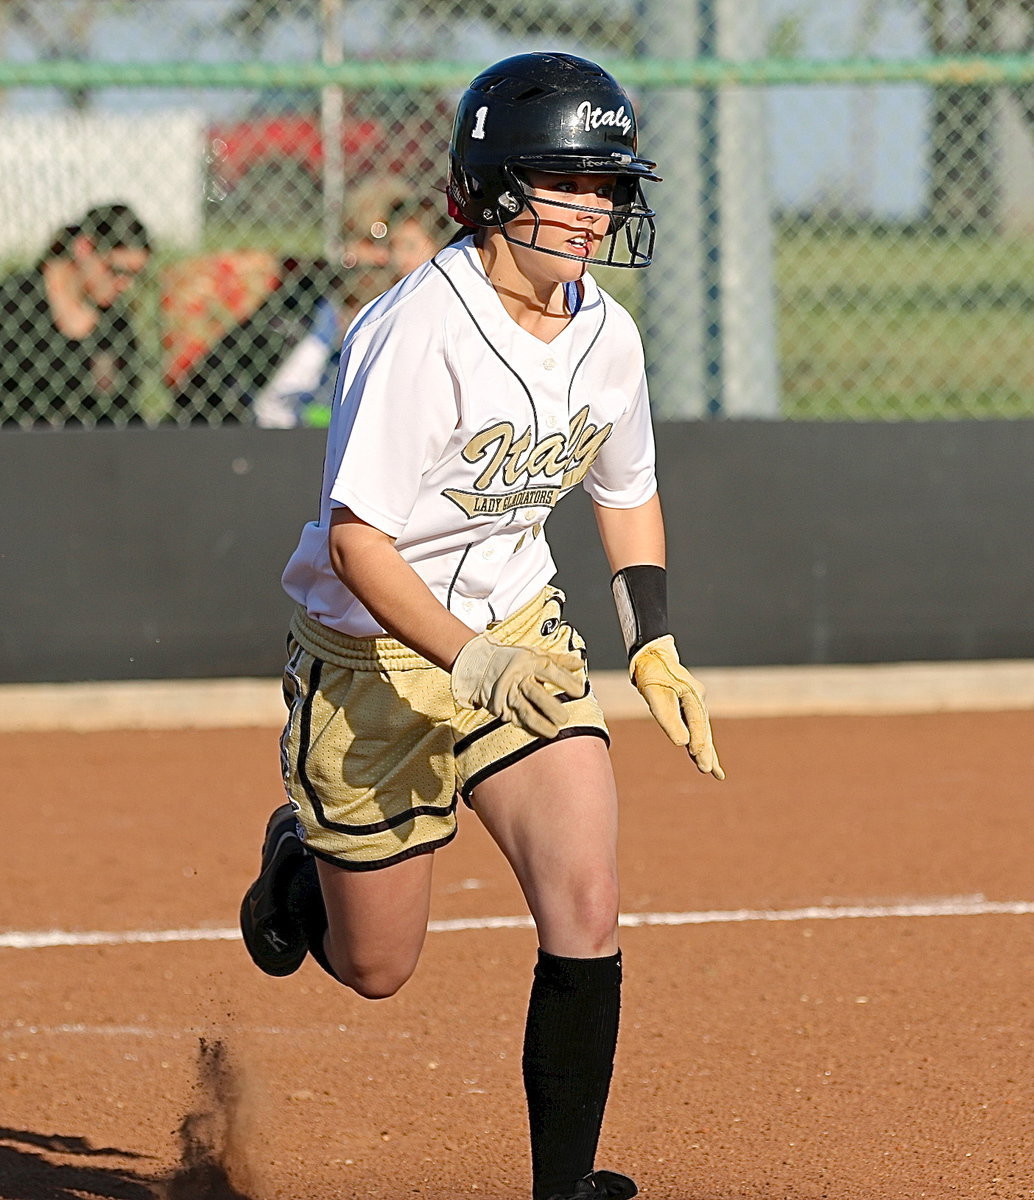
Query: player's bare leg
x=377, y=921
x=554, y=815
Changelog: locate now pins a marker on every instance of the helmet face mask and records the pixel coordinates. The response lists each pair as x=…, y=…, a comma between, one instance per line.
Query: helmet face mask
x=555, y=114
x=627, y=242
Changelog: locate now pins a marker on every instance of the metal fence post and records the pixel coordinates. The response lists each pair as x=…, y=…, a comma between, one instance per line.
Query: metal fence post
x=709, y=302
x=332, y=122
x=672, y=315
x=748, y=379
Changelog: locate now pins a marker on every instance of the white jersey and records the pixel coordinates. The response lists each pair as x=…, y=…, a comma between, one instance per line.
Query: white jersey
x=455, y=432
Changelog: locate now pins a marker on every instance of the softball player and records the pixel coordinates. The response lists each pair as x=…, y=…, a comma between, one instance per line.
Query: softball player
x=429, y=656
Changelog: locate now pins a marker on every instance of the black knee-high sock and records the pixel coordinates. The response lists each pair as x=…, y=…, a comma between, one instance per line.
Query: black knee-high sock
x=568, y=1060
x=305, y=904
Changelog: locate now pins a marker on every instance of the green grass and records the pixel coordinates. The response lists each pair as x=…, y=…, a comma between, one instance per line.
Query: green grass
x=905, y=326
x=897, y=325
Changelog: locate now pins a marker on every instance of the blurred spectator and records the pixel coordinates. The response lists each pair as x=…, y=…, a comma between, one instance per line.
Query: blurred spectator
x=68, y=353
x=299, y=391
x=415, y=232
x=252, y=337
x=231, y=319
x=390, y=234
x=203, y=298
x=393, y=228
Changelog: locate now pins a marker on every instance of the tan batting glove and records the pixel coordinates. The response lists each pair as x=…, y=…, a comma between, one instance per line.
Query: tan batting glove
x=676, y=701
x=507, y=680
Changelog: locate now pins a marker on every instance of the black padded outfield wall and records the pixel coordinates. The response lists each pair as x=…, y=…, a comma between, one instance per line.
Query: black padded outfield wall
x=156, y=554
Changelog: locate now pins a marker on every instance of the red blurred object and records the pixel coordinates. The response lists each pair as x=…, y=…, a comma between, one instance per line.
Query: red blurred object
x=267, y=166
x=203, y=298
x=240, y=146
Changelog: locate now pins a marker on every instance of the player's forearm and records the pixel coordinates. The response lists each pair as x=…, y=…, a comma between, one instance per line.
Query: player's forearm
x=633, y=539
x=631, y=536
x=367, y=563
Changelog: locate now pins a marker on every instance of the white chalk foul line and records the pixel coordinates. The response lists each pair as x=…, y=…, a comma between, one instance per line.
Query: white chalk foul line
x=957, y=906
x=97, y=937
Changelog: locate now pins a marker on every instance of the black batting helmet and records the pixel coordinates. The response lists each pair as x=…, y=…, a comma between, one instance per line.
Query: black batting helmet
x=555, y=113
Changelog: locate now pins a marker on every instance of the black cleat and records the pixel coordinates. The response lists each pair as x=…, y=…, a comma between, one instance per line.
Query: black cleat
x=273, y=937
x=602, y=1185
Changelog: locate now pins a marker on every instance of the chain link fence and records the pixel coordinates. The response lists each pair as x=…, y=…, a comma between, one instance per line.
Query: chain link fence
x=846, y=227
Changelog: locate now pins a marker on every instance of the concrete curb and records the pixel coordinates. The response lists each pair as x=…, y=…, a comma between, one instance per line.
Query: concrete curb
x=731, y=691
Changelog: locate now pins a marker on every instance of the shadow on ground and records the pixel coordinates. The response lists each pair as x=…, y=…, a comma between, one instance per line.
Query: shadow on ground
x=212, y=1166
x=37, y=1166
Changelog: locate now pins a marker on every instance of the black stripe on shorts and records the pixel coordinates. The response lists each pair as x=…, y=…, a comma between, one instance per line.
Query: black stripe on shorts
x=524, y=751
x=390, y=861
x=305, y=737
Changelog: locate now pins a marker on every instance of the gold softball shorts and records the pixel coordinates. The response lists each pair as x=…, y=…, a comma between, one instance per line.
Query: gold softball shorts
x=376, y=753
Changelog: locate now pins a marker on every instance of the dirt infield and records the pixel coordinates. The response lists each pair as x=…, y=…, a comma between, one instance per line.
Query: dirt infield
x=827, y=991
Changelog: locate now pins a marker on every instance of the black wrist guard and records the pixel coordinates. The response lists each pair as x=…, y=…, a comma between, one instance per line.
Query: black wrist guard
x=641, y=597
